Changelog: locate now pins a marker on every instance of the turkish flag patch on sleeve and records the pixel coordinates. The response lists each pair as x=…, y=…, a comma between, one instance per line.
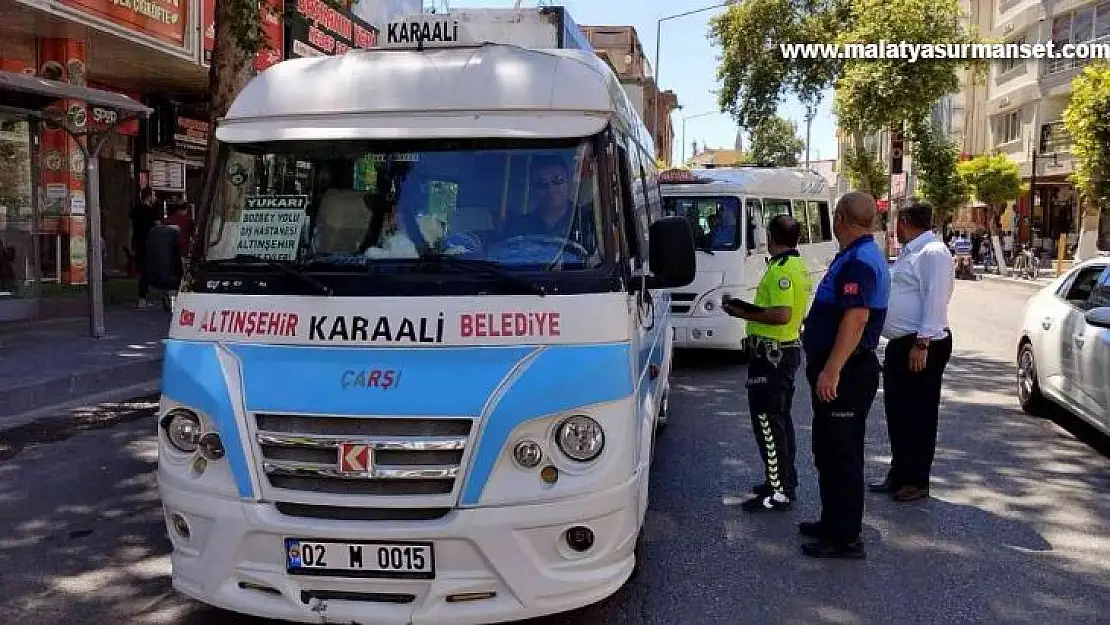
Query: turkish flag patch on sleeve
x=851, y=288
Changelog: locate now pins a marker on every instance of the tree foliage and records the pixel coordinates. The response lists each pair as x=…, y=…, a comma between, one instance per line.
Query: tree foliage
x=994, y=179
x=871, y=93
x=865, y=171
x=936, y=159
x=1087, y=119
x=775, y=143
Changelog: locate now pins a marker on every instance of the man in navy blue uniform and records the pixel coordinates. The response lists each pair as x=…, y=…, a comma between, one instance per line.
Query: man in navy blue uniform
x=841, y=334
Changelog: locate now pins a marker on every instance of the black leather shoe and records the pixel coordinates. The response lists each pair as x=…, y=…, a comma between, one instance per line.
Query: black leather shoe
x=884, y=487
x=910, y=493
x=841, y=551
x=810, y=529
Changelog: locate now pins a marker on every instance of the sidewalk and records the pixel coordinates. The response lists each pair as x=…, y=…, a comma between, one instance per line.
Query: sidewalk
x=51, y=363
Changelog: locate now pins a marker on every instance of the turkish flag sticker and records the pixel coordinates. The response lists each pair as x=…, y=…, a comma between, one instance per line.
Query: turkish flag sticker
x=851, y=288
x=187, y=318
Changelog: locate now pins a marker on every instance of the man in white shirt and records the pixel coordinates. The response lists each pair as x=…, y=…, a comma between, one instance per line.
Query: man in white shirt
x=920, y=345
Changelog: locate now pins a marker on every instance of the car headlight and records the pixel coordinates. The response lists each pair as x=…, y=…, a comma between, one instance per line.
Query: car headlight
x=183, y=430
x=580, y=438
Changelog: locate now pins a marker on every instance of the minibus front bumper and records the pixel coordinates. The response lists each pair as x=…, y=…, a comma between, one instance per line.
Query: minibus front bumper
x=491, y=564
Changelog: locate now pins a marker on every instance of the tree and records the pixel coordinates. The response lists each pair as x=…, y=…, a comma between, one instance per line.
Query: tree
x=239, y=38
x=872, y=93
x=865, y=171
x=1087, y=119
x=936, y=159
x=995, y=180
x=775, y=143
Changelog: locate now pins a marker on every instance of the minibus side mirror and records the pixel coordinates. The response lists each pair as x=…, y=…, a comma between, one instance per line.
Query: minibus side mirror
x=671, y=253
x=163, y=258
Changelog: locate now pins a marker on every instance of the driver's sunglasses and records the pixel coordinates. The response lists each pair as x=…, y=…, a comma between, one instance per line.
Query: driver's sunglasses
x=556, y=181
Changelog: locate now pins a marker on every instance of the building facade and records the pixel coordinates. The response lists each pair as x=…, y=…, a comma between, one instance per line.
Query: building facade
x=620, y=47
x=155, y=52
x=1022, y=118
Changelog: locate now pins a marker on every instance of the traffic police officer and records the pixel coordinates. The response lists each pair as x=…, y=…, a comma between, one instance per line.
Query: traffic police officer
x=842, y=332
x=774, y=327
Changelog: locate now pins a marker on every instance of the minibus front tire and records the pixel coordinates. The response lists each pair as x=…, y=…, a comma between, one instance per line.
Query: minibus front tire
x=664, y=415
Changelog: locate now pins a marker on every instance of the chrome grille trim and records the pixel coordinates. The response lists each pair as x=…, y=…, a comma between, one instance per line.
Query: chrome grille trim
x=305, y=469
x=323, y=441
x=415, y=461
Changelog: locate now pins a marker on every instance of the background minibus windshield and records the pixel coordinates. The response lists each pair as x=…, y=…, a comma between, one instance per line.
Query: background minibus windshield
x=714, y=220
x=355, y=202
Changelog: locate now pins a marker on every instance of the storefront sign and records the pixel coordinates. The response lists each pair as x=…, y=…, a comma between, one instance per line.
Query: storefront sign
x=191, y=134
x=317, y=29
x=271, y=226
x=102, y=119
x=161, y=19
x=166, y=175
x=270, y=12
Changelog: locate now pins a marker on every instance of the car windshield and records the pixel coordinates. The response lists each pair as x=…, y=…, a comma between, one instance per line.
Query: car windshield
x=520, y=207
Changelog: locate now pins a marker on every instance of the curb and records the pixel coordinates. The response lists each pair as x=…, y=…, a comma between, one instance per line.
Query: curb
x=78, y=387
x=1032, y=285
x=85, y=404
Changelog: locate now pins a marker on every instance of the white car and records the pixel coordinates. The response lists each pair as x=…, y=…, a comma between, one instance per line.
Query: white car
x=1063, y=355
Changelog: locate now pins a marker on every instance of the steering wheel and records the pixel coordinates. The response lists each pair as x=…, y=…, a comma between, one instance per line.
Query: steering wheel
x=563, y=244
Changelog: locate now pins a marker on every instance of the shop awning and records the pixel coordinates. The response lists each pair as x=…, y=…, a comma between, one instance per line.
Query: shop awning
x=31, y=95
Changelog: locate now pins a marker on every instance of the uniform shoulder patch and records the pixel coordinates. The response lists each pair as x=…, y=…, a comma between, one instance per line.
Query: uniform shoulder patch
x=784, y=283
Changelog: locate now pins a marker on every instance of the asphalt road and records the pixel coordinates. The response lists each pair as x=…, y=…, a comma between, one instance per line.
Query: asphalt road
x=1018, y=529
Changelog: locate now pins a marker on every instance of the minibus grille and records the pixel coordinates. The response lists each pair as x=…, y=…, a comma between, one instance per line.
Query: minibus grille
x=388, y=457
x=681, y=303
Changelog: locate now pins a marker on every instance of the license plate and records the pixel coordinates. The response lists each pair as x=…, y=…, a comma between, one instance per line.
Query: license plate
x=359, y=559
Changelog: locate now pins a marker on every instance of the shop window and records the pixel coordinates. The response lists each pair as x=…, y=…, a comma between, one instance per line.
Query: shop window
x=17, y=274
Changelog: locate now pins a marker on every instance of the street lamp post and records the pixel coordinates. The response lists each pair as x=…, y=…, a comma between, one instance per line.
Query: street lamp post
x=658, y=37
x=684, y=120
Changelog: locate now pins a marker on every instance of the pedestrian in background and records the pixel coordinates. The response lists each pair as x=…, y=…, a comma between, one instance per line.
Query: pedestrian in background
x=144, y=217
x=841, y=334
x=920, y=345
x=774, y=328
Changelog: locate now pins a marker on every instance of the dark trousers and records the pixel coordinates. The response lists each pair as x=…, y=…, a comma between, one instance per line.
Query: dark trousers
x=140, y=265
x=839, y=430
x=770, y=399
x=912, y=402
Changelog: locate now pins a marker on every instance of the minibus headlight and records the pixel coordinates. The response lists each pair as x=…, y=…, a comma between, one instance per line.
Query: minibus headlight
x=528, y=454
x=580, y=438
x=183, y=431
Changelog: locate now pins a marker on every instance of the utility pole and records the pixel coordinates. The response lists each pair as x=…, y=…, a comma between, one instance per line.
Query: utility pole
x=809, y=129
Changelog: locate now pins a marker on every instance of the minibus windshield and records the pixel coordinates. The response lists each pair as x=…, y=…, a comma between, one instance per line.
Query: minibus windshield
x=714, y=220
x=356, y=205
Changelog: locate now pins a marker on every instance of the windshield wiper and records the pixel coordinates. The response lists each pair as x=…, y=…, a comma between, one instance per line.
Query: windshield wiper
x=287, y=269
x=487, y=267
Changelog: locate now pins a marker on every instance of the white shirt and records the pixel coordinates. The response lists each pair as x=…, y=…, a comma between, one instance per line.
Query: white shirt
x=921, y=285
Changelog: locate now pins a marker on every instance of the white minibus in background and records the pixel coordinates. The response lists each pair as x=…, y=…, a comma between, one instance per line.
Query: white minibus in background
x=728, y=209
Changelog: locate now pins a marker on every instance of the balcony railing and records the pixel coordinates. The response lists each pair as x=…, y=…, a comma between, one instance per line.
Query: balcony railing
x=1055, y=138
x=1059, y=65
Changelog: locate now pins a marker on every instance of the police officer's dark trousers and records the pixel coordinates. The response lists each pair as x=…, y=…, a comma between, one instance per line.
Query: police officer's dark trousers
x=839, y=429
x=771, y=374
